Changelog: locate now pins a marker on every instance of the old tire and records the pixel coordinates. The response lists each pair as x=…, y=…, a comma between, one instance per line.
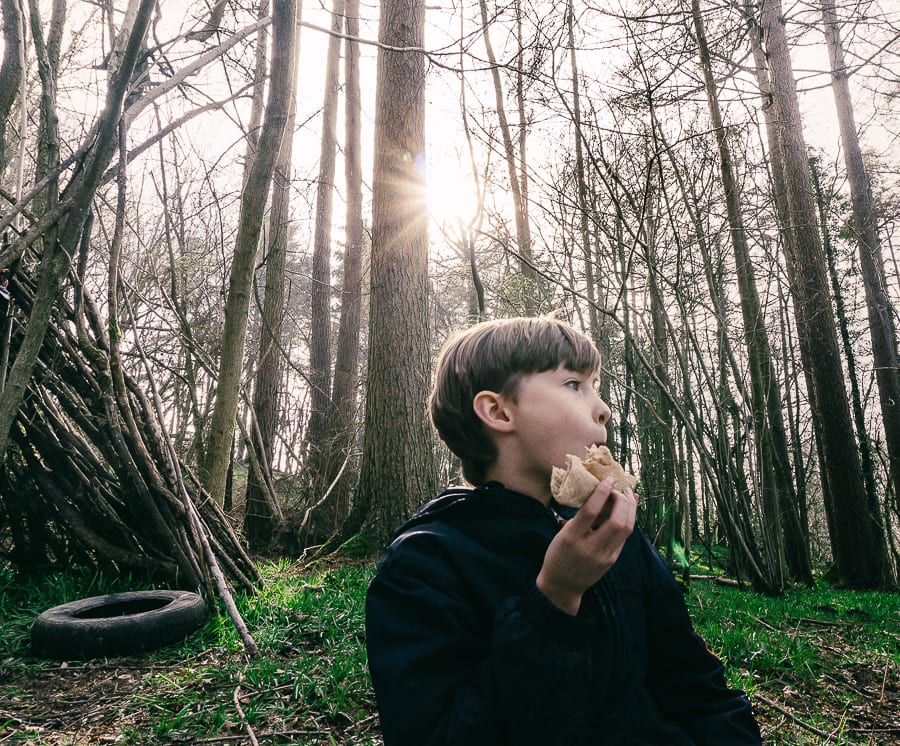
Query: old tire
x=116, y=624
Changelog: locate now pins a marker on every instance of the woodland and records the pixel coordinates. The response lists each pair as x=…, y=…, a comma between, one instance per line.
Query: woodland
x=235, y=234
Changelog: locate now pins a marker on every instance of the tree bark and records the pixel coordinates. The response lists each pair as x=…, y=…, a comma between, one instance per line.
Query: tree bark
x=253, y=202
x=781, y=527
x=342, y=415
x=878, y=302
x=659, y=498
x=321, y=293
x=858, y=547
x=397, y=470
x=856, y=399
x=10, y=68
x=261, y=510
x=531, y=281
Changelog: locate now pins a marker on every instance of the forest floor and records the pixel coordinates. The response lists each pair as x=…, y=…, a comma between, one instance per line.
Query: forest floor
x=821, y=666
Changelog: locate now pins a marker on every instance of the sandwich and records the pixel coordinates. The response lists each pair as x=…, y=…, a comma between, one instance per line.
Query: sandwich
x=573, y=484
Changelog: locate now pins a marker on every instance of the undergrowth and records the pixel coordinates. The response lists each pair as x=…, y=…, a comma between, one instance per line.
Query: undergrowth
x=821, y=665
x=310, y=684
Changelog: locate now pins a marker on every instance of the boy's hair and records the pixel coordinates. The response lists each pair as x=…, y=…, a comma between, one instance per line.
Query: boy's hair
x=494, y=356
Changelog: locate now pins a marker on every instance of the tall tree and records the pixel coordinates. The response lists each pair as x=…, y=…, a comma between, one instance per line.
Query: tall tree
x=660, y=506
x=843, y=323
x=261, y=508
x=858, y=547
x=11, y=67
x=253, y=202
x=584, y=208
x=517, y=173
x=783, y=220
x=782, y=525
x=397, y=470
x=341, y=419
x=878, y=302
x=320, y=295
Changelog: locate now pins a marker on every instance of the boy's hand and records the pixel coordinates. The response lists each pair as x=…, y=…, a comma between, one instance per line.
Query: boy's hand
x=587, y=546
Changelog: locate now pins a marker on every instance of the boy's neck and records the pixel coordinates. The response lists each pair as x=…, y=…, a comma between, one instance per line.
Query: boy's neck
x=521, y=482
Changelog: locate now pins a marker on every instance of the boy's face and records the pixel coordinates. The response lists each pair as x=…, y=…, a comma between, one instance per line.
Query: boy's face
x=555, y=413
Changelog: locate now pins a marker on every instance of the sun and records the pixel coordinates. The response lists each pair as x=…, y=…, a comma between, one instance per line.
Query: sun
x=451, y=190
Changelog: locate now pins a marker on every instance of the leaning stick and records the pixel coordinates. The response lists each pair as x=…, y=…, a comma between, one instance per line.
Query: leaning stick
x=196, y=522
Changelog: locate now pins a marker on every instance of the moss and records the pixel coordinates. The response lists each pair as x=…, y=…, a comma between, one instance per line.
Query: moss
x=361, y=546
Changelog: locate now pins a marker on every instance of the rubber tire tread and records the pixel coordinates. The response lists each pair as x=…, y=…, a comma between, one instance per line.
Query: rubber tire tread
x=78, y=629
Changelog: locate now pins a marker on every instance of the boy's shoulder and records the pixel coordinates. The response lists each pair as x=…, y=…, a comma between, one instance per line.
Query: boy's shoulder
x=452, y=499
x=463, y=501
x=478, y=513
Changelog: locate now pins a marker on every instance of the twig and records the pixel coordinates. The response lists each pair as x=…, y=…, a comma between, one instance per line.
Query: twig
x=355, y=726
x=765, y=624
x=265, y=735
x=178, y=78
x=825, y=622
x=237, y=705
x=892, y=731
x=324, y=497
x=803, y=724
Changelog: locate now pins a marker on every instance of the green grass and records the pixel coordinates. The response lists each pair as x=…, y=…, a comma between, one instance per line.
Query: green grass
x=310, y=684
x=815, y=662
x=829, y=658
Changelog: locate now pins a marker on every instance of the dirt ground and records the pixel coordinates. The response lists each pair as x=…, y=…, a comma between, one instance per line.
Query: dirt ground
x=101, y=703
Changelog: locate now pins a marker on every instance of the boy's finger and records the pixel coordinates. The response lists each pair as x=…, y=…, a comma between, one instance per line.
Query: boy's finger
x=590, y=512
x=617, y=515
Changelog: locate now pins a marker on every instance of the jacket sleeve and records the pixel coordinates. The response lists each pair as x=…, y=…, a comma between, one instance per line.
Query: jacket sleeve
x=685, y=678
x=446, y=671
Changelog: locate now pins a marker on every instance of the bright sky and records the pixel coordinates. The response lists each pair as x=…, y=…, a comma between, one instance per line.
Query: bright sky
x=451, y=186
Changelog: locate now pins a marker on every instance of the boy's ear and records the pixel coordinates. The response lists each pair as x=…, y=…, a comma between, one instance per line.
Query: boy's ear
x=493, y=411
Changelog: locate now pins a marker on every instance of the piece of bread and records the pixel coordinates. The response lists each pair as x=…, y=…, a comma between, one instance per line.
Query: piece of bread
x=574, y=483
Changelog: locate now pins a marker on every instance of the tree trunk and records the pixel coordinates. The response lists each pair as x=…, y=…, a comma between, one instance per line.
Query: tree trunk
x=856, y=399
x=530, y=295
x=10, y=68
x=659, y=502
x=253, y=202
x=878, y=302
x=584, y=208
x=470, y=231
x=346, y=366
x=261, y=509
x=782, y=523
x=320, y=296
x=858, y=547
x=397, y=471
x=47, y=52
x=782, y=212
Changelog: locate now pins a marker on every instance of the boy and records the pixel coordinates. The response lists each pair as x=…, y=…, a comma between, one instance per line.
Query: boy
x=500, y=617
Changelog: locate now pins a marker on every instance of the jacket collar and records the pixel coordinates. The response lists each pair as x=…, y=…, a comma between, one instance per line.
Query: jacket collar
x=490, y=498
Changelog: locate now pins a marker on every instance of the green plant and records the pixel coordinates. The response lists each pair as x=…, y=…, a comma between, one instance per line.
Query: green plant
x=829, y=658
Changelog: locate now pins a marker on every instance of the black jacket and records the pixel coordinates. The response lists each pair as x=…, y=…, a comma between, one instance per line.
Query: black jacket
x=464, y=650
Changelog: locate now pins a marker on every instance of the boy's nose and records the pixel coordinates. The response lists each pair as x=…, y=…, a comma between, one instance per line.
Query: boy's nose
x=602, y=411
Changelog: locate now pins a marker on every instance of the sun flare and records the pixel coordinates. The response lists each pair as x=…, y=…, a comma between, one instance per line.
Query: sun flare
x=451, y=190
